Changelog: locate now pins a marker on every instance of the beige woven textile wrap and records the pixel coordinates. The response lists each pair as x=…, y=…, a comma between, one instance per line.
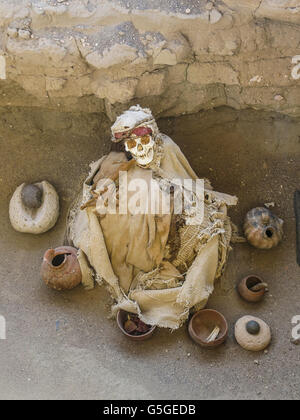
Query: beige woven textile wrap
x=135, y=255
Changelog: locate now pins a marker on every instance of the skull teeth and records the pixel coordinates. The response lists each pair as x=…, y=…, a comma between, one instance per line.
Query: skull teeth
x=144, y=154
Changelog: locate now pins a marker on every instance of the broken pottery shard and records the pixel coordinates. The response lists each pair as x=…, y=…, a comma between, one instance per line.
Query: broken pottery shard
x=142, y=327
x=129, y=326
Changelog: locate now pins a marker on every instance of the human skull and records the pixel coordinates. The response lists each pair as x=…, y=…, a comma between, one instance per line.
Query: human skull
x=141, y=148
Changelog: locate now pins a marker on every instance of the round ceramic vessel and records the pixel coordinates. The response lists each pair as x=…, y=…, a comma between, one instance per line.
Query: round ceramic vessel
x=60, y=268
x=244, y=289
x=202, y=324
x=263, y=229
x=121, y=319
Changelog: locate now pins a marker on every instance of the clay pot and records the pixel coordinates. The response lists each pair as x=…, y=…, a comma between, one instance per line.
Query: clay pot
x=203, y=323
x=61, y=269
x=263, y=229
x=245, y=285
x=122, y=316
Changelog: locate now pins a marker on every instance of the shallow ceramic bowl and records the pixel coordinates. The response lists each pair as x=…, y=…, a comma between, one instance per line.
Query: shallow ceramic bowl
x=121, y=319
x=245, y=291
x=202, y=324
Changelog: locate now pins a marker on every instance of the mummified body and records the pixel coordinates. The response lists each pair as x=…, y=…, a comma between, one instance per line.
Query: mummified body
x=158, y=264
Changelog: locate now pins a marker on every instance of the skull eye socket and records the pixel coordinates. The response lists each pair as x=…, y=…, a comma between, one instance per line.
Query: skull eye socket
x=145, y=139
x=130, y=143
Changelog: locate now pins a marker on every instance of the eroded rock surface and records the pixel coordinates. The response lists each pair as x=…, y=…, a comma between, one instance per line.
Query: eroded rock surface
x=174, y=56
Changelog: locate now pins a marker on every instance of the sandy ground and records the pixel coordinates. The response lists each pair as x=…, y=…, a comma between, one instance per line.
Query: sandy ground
x=62, y=345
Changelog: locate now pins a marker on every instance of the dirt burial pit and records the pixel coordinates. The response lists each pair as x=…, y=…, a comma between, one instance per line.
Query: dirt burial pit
x=62, y=344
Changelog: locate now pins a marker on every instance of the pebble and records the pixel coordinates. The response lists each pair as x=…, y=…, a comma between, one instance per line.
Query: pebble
x=253, y=327
x=188, y=11
x=32, y=196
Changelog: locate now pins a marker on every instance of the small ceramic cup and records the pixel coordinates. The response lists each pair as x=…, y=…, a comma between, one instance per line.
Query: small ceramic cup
x=244, y=289
x=121, y=319
x=203, y=323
